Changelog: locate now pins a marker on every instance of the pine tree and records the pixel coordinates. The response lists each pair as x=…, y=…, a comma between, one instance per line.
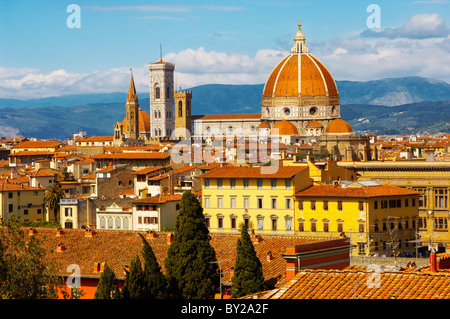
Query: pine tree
x=191, y=265
x=107, y=287
x=134, y=286
x=155, y=281
x=248, y=275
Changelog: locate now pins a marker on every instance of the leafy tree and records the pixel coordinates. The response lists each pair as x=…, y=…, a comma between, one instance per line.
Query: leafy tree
x=134, y=286
x=26, y=271
x=107, y=287
x=155, y=281
x=248, y=275
x=52, y=196
x=191, y=265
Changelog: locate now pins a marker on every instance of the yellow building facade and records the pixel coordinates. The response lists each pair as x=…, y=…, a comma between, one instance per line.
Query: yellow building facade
x=378, y=219
x=430, y=178
x=25, y=203
x=232, y=195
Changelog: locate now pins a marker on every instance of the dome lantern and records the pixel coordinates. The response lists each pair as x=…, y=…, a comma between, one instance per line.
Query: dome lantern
x=299, y=42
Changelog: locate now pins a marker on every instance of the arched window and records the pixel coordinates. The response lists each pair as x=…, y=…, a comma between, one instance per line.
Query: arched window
x=180, y=109
x=110, y=223
x=102, y=223
x=168, y=92
x=157, y=91
x=118, y=223
x=126, y=223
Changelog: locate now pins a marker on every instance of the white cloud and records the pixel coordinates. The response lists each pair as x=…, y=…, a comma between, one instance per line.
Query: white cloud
x=419, y=26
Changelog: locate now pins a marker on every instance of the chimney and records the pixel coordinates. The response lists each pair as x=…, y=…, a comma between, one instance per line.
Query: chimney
x=269, y=256
x=89, y=233
x=433, y=262
x=60, y=248
x=102, y=266
x=59, y=232
x=32, y=231
x=151, y=234
x=96, y=267
x=257, y=239
x=169, y=238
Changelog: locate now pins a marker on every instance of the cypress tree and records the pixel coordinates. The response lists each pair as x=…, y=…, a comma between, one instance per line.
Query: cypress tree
x=107, y=286
x=134, y=286
x=155, y=281
x=248, y=275
x=191, y=265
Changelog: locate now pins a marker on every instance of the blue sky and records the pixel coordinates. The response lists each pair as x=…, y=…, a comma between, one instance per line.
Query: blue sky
x=211, y=41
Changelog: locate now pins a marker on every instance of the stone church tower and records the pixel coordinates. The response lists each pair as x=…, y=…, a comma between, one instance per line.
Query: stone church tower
x=132, y=112
x=183, y=114
x=161, y=98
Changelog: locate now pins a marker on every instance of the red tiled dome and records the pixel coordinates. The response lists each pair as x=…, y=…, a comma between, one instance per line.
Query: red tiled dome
x=338, y=126
x=284, y=128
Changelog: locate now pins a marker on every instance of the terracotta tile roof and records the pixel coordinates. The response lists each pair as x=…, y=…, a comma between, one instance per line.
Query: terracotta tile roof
x=38, y=144
x=40, y=173
x=132, y=155
x=172, y=172
x=118, y=248
x=148, y=170
x=33, y=153
x=17, y=187
x=97, y=139
x=353, y=283
x=364, y=191
x=252, y=172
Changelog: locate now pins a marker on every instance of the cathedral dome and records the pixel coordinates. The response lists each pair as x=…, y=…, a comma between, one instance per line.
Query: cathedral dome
x=284, y=128
x=144, y=122
x=300, y=78
x=338, y=126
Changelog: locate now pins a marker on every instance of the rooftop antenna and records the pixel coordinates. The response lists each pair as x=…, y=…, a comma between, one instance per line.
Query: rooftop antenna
x=160, y=51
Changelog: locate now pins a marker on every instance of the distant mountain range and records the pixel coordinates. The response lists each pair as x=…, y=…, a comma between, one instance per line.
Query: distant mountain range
x=389, y=106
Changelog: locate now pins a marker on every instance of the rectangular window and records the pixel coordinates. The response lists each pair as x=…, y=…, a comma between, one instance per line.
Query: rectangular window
x=25, y=211
x=287, y=183
x=340, y=227
x=140, y=220
x=273, y=183
x=206, y=183
x=399, y=203
x=219, y=222
x=375, y=204
x=274, y=224
x=232, y=183
x=406, y=202
x=10, y=208
x=233, y=222
x=233, y=202
x=68, y=211
x=325, y=227
x=207, y=202
x=219, y=202
x=288, y=224
x=259, y=202
x=10, y=195
x=260, y=223
x=313, y=226
x=440, y=198
x=300, y=205
x=245, y=183
x=274, y=203
x=288, y=203
x=246, y=202
x=301, y=226
x=313, y=205
x=325, y=205
x=219, y=183
x=339, y=205
x=259, y=183
x=361, y=228
x=384, y=204
x=361, y=206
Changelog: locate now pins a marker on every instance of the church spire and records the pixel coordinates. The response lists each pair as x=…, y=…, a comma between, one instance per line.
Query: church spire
x=132, y=96
x=299, y=42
